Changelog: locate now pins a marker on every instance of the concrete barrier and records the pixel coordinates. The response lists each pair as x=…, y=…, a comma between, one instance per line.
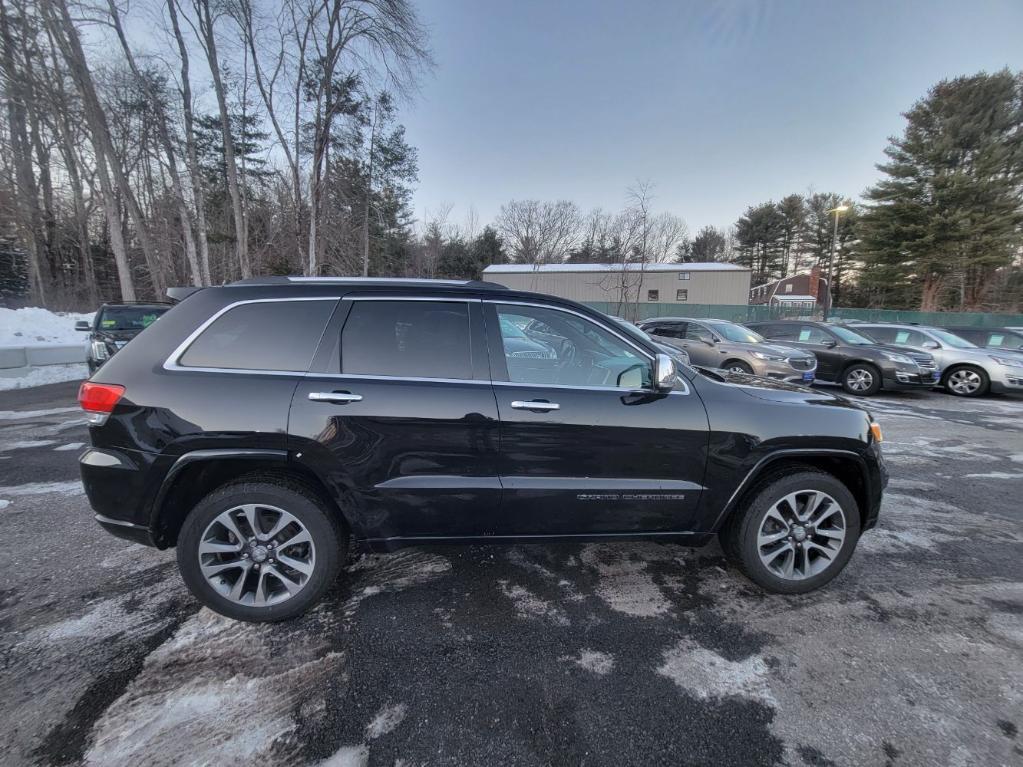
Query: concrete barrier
x=18, y=361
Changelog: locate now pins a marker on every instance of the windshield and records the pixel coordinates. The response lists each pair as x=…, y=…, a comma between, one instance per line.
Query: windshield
x=950, y=339
x=737, y=333
x=851, y=337
x=510, y=330
x=129, y=317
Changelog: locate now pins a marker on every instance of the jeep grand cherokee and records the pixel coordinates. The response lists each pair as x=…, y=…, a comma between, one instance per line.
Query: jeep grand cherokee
x=261, y=427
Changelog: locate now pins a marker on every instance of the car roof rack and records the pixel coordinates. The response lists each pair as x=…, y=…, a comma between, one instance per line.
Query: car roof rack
x=382, y=281
x=154, y=302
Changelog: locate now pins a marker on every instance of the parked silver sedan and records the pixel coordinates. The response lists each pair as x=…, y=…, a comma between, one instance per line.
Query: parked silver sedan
x=967, y=369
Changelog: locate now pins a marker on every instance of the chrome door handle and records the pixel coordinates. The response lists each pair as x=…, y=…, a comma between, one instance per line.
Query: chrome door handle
x=339, y=397
x=535, y=405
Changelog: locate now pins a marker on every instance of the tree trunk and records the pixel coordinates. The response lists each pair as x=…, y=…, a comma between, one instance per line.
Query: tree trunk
x=198, y=189
x=26, y=192
x=202, y=8
x=163, y=133
x=66, y=35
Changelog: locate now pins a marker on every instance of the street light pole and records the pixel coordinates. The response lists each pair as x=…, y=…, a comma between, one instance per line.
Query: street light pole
x=831, y=259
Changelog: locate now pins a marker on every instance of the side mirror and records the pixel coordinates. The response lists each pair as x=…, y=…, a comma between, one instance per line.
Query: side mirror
x=931, y=345
x=831, y=344
x=664, y=373
x=83, y=325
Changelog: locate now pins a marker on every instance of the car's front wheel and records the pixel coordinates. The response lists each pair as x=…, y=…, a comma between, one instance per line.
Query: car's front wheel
x=861, y=379
x=795, y=533
x=260, y=550
x=967, y=381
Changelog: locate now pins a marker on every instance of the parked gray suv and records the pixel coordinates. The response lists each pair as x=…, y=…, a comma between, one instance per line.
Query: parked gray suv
x=723, y=344
x=967, y=369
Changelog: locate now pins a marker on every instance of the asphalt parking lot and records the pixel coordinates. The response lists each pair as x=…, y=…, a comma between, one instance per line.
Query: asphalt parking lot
x=570, y=654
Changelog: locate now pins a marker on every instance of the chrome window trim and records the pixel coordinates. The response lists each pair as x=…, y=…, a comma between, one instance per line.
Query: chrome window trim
x=443, y=299
x=172, y=362
x=400, y=379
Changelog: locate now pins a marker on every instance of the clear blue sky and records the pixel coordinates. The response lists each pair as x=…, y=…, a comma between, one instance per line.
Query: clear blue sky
x=719, y=104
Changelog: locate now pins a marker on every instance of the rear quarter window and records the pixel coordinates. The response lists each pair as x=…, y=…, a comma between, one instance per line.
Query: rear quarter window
x=265, y=335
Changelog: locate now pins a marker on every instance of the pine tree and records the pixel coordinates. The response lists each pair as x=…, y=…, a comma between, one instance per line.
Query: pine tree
x=708, y=245
x=949, y=212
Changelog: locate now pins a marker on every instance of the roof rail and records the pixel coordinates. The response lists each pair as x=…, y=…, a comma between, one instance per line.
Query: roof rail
x=295, y=280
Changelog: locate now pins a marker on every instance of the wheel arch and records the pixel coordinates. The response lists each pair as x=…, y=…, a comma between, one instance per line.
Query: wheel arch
x=198, y=473
x=846, y=466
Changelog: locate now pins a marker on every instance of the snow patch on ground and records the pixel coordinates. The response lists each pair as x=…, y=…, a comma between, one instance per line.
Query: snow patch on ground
x=529, y=605
x=26, y=444
x=391, y=572
x=4, y=504
x=625, y=585
x=592, y=660
x=347, y=756
x=70, y=446
x=706, y=674
x=386, y=720
x=32, y=325
x=50, y=374
x=995, y=475
x=74, y=487
x=20, y=415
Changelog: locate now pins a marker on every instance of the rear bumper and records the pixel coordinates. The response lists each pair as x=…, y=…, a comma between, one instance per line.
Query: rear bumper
x=115, y=483
x=127, y=530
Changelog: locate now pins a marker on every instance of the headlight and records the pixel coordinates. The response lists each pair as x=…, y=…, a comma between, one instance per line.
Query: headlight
x=1011, y=362
x=894, y=357
x=769, y=357
x=99, y=350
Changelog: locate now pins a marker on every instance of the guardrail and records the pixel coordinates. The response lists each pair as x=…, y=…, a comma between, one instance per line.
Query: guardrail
x=16, y=361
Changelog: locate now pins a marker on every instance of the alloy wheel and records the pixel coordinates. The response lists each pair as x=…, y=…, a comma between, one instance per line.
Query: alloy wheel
x=801, y=535
x=860, y=379
x=256, y=555
x=964, y=381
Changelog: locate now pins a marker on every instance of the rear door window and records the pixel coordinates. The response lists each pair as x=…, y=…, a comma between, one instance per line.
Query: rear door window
x=810, y=334
x=407, y=339
x=262, y=335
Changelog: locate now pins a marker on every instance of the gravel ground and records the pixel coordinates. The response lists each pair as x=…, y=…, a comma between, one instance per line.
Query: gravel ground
x=569, y=654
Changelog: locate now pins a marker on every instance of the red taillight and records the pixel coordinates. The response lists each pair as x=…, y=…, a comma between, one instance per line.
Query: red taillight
x=98, y=397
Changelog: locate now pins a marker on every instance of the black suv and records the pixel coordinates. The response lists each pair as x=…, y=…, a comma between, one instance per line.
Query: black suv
x=861, y=365
x=114, y=326
x=262, y=426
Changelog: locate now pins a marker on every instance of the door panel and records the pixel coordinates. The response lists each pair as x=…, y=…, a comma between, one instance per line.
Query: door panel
x=406, y=455
x=607, y=460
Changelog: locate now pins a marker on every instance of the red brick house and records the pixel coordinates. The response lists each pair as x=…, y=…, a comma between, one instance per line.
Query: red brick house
x=807, y=291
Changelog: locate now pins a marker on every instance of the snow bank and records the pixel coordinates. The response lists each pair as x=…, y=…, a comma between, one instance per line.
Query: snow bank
x=46, y=375
x=32, y=325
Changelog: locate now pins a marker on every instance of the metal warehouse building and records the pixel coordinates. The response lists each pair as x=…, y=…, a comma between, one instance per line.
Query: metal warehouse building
x=696, y=283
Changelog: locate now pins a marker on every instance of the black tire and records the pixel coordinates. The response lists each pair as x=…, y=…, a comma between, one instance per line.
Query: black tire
x=739, y=535
x=328, y=535
x=738, y=366
x=970, y=374
x=854, y=375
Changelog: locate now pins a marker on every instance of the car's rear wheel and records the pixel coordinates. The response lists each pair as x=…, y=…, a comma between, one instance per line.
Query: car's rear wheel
x=737, y=366
x=795, y=533
x=967, y=381
x=260, y=550
x=861, y=379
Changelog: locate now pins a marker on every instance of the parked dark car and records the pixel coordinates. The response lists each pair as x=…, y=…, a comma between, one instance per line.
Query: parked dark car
x=727, y=345
x=262, y=426
x=1006, y=339
x=860, y=364
x=114, y=326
